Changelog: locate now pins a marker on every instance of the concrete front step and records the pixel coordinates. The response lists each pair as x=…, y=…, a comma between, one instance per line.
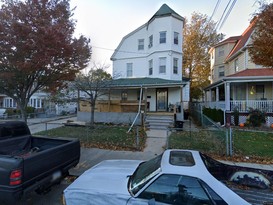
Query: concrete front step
x=159, y=122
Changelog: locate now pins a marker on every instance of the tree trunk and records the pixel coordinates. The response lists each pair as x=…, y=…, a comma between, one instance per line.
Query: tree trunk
x=92, y=117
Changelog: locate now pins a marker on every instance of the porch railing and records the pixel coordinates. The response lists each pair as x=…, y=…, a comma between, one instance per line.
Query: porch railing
x=245, y=106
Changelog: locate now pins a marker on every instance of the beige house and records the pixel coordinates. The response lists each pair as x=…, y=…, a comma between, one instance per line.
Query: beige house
x=236, y=82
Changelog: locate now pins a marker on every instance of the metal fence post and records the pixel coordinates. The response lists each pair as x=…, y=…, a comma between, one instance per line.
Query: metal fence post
x=227, y=142
x=137, y=138
x=230, y=142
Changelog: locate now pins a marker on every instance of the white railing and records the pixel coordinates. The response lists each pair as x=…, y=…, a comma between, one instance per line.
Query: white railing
x=218, y=105
x=245, y=106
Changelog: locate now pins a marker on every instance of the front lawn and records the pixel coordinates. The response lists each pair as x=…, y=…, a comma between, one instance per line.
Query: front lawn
x=246, y=144
x=101, y=136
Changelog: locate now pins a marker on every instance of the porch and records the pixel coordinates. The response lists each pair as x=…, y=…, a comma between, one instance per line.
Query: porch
x=243, y=105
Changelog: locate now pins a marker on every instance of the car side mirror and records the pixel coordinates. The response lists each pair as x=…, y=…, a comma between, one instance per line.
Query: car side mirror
x=151, y=202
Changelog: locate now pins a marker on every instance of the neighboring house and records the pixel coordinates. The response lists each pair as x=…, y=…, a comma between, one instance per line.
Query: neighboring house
x=147, y=69
x=236, y=82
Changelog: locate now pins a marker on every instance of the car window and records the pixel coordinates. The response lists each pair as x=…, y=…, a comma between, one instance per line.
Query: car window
x=144, y=173
x=177, y=189
x=216, y=198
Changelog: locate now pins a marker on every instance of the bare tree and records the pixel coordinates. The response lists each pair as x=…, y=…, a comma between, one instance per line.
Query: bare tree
x=95, y=84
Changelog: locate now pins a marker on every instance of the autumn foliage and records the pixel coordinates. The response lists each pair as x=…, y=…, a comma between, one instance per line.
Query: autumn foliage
x=261, y=51
x=37, y=47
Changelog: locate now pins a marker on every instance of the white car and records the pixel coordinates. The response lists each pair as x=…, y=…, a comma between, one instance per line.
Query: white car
x=175, y=177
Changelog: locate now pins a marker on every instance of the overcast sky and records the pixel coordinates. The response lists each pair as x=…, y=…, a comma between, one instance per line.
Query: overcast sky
x=106, y=22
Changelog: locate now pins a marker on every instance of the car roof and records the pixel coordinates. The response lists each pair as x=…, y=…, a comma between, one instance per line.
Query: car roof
x=187, y=162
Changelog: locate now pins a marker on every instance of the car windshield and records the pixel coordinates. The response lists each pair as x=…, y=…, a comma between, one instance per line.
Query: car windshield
x=144, y=173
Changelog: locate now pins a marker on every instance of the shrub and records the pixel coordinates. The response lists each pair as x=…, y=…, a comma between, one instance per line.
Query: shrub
x=217, y=115
x=255, y=118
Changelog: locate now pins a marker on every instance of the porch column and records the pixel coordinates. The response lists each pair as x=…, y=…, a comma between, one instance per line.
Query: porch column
x=210, y=95
x=217, y=94
x=109, y=100
x=227, y=96
x=145, y=101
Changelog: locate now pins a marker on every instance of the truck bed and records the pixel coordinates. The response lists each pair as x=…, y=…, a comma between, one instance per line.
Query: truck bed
x=31, y=163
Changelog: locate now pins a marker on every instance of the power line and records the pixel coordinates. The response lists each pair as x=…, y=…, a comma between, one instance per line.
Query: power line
x=215, y=9
x=229, y=11
x=224, y=12
x=119, y=51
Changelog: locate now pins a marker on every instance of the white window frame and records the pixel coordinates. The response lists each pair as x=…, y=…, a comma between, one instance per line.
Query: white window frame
x=162, y=37
x=129, y=70
x=175, y=65
x=221, y=71
x=162, y=65
x=150, y=41
x=140, y=44
x=176, y=38
x=151, y=67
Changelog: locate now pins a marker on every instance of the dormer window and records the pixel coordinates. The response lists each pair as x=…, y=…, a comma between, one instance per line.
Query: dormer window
x=175, y=38
x=140, y=44
x=162, y=37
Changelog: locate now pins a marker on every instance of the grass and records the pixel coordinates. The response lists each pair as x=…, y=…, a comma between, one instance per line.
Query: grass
x=101, y=136
x=251, y=144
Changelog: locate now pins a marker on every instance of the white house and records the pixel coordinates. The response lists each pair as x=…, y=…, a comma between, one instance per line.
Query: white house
x=237, y=82
x=147, y=70
x=153, y=53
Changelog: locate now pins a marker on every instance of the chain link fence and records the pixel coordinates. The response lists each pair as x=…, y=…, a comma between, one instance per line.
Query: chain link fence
x=217, y=136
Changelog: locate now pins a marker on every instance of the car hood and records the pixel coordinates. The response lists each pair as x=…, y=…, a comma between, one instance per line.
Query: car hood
x=105, y=182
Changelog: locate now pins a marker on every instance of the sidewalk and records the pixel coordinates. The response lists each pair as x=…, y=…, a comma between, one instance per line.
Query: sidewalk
x=155, y=145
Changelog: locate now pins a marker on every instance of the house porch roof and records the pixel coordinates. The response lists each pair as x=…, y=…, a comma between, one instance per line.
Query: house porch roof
x=146, y=82
x=248, y=75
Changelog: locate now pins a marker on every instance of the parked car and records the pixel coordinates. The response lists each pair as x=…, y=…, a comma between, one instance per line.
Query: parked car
x=174, y=177
x=30, y=163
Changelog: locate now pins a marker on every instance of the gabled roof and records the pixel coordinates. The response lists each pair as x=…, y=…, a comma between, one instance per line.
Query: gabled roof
x=146, y=82
x=232, y=39
x=165, y=10
x=257, y=72
x=242, y=43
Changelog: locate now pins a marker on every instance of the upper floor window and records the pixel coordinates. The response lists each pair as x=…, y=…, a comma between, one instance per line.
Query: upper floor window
x=150, y=67
x=129, y=69
x=162, y=65
x=162, y=37
x=140, y=44
x=221, y=51
x=150, y=41
x=175, y=38
x=236, y=65
x=175, y=66
x=221, y=70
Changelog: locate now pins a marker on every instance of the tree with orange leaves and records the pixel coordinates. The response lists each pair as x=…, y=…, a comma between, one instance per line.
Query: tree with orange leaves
x=261, y=51
x=37, y=48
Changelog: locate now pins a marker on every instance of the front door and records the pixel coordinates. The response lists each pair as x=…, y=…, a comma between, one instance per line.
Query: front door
x=161, y=99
